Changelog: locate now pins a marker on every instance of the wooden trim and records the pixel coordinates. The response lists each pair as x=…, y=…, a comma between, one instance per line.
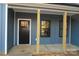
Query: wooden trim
x=38, y=31
x=64, y=29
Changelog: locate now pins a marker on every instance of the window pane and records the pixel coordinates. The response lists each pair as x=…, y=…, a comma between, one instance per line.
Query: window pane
x=45, y=28
x=24, y=24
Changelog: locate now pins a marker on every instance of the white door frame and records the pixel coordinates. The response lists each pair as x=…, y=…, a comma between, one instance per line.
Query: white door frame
x=18, y=30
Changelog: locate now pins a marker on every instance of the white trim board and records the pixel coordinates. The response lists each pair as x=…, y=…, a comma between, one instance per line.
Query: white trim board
x=18, y=30
x=6, y=13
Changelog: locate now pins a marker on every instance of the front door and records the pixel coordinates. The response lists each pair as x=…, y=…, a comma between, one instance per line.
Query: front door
x=24, y=32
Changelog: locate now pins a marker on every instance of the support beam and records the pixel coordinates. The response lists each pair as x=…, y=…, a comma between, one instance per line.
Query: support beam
x=38, y=31
x=64, y=30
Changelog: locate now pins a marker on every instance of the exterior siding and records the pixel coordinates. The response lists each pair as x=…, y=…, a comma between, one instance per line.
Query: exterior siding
x=75, y=30
x=10, y=34
x=2, y=27
x=54, y=30
x=68, y=27
x=54, y=37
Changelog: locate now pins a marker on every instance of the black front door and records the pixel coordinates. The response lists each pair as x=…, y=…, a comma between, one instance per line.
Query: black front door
x=23, y=32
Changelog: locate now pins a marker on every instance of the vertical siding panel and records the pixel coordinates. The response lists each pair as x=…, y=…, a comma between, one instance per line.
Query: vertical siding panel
x=2, y=27
x=10, y=33
x=75, y=30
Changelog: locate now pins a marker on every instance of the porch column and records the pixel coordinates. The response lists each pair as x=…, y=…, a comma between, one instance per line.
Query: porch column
x=64, y=29
x=38, y=31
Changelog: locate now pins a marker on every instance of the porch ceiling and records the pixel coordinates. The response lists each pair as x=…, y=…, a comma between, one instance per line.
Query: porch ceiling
x=42, y=11
x=45, y=8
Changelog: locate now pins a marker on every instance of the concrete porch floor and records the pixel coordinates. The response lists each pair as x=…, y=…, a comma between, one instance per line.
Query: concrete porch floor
x=27, y=50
